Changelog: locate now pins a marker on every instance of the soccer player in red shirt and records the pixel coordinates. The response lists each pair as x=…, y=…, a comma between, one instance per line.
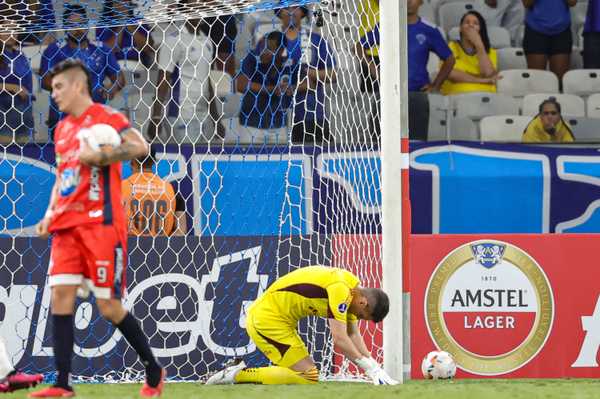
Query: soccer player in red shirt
x=87, y=220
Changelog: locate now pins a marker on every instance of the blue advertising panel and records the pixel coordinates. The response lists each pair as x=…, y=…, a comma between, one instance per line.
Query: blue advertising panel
x=459, y=188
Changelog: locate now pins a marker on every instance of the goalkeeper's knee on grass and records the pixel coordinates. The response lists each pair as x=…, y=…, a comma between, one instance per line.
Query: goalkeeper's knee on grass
x=277, y=375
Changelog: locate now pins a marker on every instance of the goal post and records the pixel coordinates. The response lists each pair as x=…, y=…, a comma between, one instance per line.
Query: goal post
x=394, y=165
x=254, y=209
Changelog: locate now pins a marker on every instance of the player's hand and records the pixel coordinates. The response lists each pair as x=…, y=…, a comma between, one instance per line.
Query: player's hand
x=374, y=371
x=89, y=156
x=380, y=377
x=42, y=228
x=474, y=37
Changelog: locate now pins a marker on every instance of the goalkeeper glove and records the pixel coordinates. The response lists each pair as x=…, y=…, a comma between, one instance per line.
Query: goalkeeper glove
x=374, y=371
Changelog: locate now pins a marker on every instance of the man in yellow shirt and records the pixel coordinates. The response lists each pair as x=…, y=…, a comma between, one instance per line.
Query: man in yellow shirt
x=272, y=322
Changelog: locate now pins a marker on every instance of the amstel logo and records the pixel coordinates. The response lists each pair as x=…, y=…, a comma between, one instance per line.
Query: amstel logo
x=489, y=304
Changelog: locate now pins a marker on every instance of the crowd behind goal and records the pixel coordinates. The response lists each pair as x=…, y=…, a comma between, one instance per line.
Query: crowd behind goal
x=310, y=74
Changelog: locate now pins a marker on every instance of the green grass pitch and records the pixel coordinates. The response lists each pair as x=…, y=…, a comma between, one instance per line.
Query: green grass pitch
x=457, y=389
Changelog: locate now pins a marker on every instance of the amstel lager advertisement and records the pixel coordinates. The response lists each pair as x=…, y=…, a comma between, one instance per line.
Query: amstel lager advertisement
x=504, y=306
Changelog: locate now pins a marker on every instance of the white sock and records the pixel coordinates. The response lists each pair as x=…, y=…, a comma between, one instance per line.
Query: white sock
x=5, y=365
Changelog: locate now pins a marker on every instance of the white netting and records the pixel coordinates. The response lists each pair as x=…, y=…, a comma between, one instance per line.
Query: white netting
x=267, y=183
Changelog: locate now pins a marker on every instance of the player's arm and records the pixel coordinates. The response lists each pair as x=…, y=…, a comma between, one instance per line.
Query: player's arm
x=357, y=339
x=343, y=341
x=42, y=227
x=357, y=352
x=132, y=146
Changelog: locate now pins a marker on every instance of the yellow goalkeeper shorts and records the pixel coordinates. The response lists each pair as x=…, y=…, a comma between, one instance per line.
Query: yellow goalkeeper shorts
x=275, y=338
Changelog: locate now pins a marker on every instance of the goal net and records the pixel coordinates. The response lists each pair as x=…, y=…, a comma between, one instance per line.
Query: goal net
x=264, y=120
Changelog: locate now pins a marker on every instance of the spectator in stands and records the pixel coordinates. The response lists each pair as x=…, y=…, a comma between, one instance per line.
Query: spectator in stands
x=548, y=125
x=369, y=18
x=591, y=36
x=189, y=50
x=476, y=62
x=129, y=42
x=313, y=67
x=222, y=31
x=38, y=14
x=100, y=61
x=548, y=38
x=153, y=207
x=423, y=38
x=265, y=81
x=16, y=87
x=508, y=14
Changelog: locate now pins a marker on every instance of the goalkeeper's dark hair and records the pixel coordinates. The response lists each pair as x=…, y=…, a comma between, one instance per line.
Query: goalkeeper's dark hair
x=379, y=303
x=69, y=64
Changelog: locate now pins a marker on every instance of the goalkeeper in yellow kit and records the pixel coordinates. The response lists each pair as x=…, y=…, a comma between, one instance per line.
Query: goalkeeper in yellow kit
x=272, y=322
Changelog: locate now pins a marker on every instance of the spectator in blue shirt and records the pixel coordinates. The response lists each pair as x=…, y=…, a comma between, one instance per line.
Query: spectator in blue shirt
x=265, y=81
x=591, y=36
x=129, y=42
x=100, y=61
x=548, y=38
x=16, y=87
x=423, y=38
x=313, y=66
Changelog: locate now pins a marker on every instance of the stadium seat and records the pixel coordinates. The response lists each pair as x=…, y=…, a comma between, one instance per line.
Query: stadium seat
x=576, y=59
x=40, y=114
x=593, y=106
x=450, y=13
x=571, y=105
x=518, y=41
x=459, y=129
x=582, y=82
x=479, y=105
x=507, y=128
x=520, y=82
x=511, y=58
x=439, y=109
x=499, y=37
x=231, y=105
x=585, y=129
x=222, y=82
x=427, y=12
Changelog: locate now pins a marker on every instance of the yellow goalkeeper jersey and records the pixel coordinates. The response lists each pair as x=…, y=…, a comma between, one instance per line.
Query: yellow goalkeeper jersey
x=309, y=291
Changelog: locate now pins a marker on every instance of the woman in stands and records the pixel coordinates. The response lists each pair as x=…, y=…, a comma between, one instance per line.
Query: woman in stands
x=476, y=64
x=16, y=87
x=548, y=37
x=548, y=126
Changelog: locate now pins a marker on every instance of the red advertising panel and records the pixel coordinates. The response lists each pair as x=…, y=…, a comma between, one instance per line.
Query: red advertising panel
x=507, y=305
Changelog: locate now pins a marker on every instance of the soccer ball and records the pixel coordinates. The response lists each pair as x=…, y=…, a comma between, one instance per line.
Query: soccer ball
x=438, y=365
x=99, y=135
